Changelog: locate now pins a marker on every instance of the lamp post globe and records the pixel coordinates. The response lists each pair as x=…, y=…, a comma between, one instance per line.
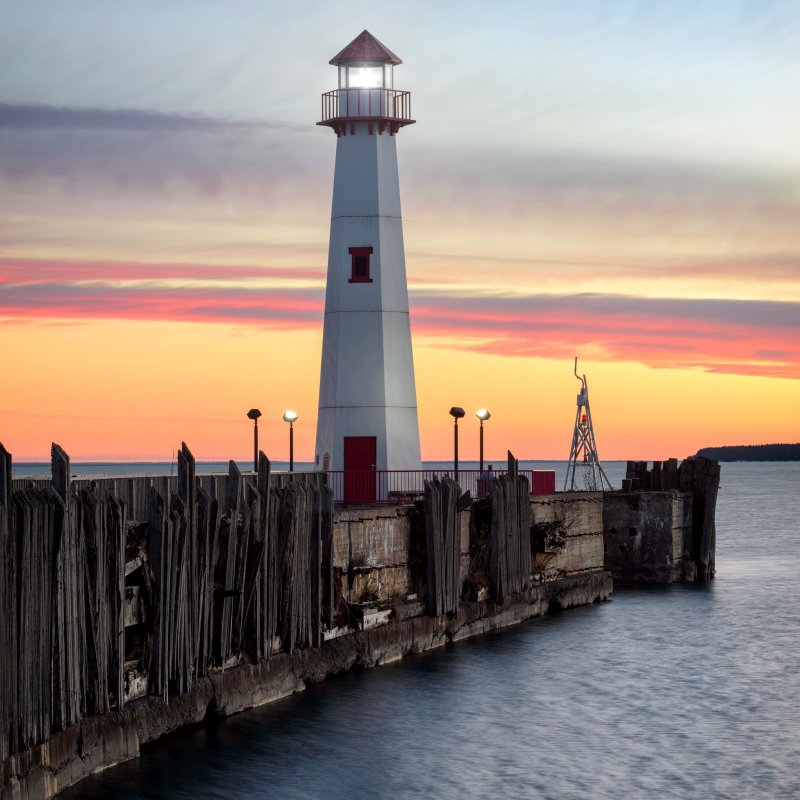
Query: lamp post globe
x=482, y=414
x=290, y=417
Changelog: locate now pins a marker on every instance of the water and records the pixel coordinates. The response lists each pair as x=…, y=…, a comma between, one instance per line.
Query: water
x=670, y=692
x=615, y=470
x=41, y=469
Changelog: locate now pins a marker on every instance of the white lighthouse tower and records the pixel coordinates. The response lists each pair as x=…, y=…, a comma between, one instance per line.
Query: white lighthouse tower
x=367, y=399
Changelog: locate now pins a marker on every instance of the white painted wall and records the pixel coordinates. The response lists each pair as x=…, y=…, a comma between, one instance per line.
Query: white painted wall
x=367, y=385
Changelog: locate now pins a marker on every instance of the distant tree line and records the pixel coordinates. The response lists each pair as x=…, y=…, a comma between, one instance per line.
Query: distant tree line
x=753, y=452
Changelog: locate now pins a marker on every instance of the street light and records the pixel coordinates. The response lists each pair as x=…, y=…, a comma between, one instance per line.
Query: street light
x=482, y=414
x=254, y=414
x=457, y=413
x=290, y=417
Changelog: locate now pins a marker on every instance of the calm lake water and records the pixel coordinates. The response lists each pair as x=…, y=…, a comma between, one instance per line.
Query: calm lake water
x=671, y=692
x=614, y=469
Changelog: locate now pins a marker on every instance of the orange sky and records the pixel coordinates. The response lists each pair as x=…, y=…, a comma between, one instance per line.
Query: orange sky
x=134, y=390
x=163, y=242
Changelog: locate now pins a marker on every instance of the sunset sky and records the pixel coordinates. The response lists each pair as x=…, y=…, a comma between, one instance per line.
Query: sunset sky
x=614, y=180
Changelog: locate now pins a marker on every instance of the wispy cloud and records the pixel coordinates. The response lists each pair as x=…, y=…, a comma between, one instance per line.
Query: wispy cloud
x=33, y=272
x=33, y=117
x=129, y=153
x=564, y=180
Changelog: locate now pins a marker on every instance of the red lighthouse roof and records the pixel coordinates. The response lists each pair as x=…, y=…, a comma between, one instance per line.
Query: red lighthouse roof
x=365, y=47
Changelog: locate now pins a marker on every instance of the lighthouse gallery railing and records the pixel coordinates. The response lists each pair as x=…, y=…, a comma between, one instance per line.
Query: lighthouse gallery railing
x=390, y=104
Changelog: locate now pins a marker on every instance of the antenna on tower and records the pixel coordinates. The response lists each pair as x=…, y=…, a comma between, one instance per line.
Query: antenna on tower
x=584, y=445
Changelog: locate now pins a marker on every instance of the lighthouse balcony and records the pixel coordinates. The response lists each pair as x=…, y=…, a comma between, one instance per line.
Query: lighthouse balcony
x=386, y=108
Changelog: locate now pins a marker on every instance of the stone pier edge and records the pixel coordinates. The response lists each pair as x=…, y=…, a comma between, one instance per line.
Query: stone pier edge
x=99, y=742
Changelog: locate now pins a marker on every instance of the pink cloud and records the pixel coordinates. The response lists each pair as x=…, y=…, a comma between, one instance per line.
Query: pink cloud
x=732, y=336
x=713, y=335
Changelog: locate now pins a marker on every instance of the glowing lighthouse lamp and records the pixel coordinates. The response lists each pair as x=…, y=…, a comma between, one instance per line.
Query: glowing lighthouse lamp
x=367, y=421
x=366, y=76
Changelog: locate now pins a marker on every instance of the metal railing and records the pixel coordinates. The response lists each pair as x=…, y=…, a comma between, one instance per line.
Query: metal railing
x=395, y=487
x=390, y=104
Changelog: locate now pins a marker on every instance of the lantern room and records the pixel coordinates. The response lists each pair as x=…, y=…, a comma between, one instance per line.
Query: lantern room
x=366, y=75
x=366, y=89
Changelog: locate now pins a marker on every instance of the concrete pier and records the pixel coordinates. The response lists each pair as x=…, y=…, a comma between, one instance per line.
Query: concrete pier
x=286, y=591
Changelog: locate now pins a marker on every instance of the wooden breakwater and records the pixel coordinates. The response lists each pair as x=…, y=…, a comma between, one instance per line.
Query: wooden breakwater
x=98, y=610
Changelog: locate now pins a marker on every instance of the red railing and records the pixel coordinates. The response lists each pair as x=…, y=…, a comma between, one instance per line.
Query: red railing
x=406, y=486
x=389, y=104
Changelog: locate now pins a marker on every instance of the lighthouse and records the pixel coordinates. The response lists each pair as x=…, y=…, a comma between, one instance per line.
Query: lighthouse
x=367, y=399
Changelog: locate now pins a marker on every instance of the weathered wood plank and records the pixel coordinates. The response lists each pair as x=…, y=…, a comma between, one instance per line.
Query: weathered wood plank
x=60, y=470
x=229, y=581
x=208, y=531
x=328, y=602
x=8, y=608
x=157, y=558
x=117, y=527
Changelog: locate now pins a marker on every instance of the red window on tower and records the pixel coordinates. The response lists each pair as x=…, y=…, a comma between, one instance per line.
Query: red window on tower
x=360, y=264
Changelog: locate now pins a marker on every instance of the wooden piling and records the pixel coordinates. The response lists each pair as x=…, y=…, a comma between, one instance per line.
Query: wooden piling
x=8, y=607
x=510, y=555
x=443, y=500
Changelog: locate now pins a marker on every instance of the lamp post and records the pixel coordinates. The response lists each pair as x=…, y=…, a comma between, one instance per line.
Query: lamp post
x=457, y=413
x=482, y=414
x=290, y=417
x=254, y=414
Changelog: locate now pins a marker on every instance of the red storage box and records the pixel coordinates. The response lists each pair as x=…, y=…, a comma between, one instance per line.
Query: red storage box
x=544, y=481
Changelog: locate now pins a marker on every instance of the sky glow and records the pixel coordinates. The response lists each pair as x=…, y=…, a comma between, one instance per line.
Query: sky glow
x=617, y=181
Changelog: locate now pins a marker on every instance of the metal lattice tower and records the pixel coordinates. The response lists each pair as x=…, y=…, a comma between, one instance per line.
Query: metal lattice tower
x=584, y=446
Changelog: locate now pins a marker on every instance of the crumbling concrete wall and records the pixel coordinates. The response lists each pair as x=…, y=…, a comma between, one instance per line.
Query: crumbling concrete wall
x=696, y=479
x=567, y=534
x=374, y=556
x=372, y=552
x=648, y=536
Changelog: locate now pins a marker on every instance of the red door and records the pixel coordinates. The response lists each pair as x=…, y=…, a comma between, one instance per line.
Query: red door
x=360, y=457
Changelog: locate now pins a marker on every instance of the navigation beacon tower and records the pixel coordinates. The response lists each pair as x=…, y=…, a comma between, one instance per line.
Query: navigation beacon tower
x=367, y=397
x=584, y=444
